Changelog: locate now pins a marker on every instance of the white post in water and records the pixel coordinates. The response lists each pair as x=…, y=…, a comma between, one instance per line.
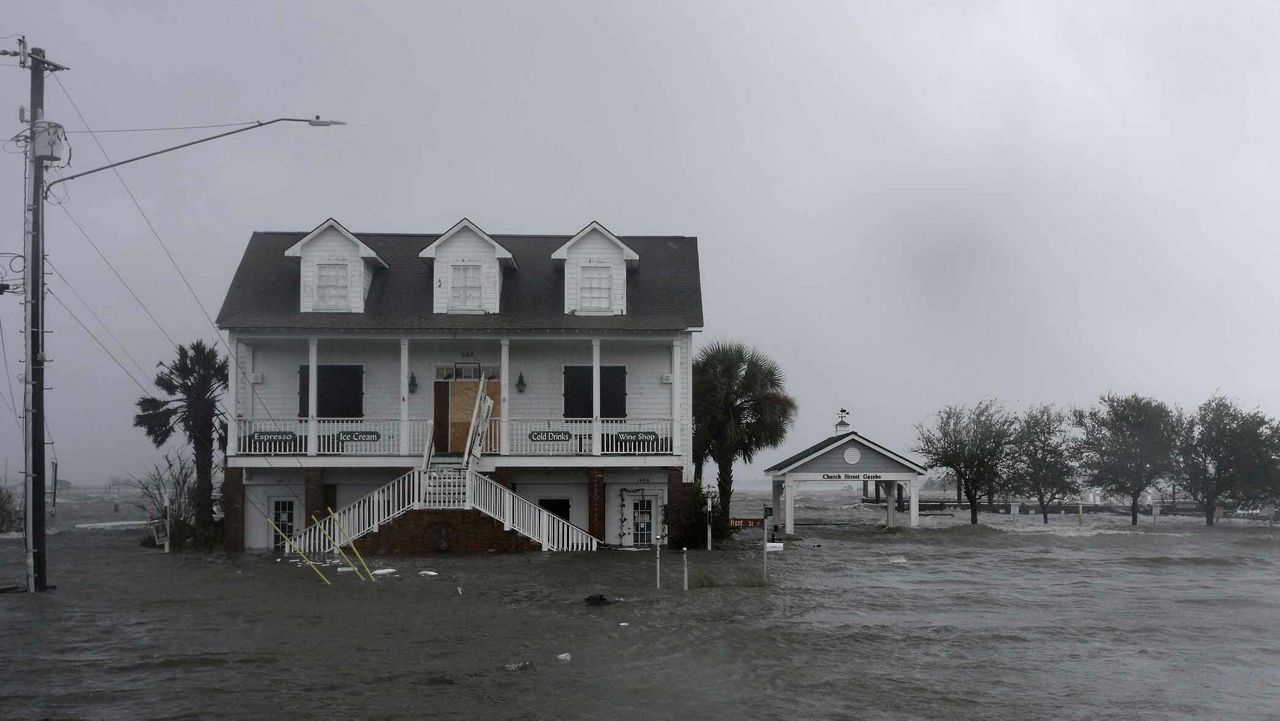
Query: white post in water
x=1155, y=512
x=708, y=523
x=686, y=568
x=164, y=499
x=657, y=561
x=1080, y=513
x=764, y=544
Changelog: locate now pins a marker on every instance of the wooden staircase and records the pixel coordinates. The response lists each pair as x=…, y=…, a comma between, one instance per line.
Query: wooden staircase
x=446, y=486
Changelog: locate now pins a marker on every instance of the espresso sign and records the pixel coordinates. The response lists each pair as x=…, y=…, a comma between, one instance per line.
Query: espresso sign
x=274, y=437
x=550, y=436
x=636, y=436
x=359, y=436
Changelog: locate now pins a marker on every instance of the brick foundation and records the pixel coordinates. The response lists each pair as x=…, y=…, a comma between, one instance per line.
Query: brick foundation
x=678, y=494
x=418, y=532
x=313, y=495
x=595, y=502
x=233, y=510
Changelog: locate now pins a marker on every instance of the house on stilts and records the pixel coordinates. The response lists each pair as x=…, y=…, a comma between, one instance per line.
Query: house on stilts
x=458, y=391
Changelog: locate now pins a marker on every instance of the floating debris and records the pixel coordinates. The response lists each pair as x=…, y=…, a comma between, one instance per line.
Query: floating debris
x=427, y=573
x=624, y=624
x=384, y=571
x=346, y=569
x=517, y=666
x=564, y=658
x=599, y=599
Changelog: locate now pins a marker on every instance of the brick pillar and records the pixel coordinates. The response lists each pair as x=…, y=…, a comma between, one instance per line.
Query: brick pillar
x=502, y=477
x=677, y=496
x=595, y=502
x=233, y=510
x=313, y=494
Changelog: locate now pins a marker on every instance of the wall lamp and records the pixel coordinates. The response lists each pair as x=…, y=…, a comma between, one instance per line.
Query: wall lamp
x=520, y=384
x=413, y=383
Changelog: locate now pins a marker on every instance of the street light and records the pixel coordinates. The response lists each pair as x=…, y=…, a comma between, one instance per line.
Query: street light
x=34, y=411
x=315, y=122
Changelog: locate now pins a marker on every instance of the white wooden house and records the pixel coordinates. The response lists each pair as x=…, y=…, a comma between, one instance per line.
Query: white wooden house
x=461, y=390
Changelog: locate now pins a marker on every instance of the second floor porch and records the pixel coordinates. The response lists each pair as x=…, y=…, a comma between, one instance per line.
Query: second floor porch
x=385, y=397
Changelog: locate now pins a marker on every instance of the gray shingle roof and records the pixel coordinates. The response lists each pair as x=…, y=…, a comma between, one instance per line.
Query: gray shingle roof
x=663, y=290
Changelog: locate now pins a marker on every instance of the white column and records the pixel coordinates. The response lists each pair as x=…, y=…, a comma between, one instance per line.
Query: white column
x=675, y=397
x=791, y=506
x=313, y=434
x=404, y=396
x=504, y=399
x=233, y=413
x=595, y=397
x=891, y=505
x=913, y=520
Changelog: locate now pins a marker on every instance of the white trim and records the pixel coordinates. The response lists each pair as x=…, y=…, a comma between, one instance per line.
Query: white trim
x=499, y=252
x=295, y=250
x=853, y=435
x=562, y=253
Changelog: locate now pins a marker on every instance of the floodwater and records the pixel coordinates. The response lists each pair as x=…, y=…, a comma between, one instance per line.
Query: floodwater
x=1010, y=621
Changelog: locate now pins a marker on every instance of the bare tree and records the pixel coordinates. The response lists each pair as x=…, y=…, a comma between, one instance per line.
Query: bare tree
x=10, y=511
x=168, y=486
x=972, y=444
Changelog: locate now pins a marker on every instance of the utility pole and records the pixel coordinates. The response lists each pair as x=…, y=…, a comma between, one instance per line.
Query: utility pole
x=39, y=152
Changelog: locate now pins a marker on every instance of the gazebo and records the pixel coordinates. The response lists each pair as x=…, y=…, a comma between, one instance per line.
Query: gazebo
x=847, y=457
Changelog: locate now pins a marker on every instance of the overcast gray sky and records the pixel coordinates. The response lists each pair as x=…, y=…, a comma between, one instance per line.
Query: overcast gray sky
x=907, y=204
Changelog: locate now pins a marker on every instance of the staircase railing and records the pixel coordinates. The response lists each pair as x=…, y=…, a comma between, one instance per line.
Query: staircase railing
x=415, y=489
x=526, y=517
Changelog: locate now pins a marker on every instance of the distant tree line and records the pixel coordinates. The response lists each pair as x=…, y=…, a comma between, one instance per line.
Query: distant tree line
x=1125, y=447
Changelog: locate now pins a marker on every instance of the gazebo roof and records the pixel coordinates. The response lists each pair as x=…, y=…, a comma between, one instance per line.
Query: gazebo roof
x=826, y=445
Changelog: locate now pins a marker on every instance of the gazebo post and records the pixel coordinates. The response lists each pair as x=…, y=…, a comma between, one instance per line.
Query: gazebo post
x=791, y=507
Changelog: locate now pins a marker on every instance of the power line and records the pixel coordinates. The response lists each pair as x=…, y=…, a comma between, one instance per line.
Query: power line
x=137, y=205
x=157, y=129
x=119, y=277
x=98, y=318
x=101, y=345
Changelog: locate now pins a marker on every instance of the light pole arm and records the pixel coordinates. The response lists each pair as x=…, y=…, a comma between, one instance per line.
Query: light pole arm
x=255, y=126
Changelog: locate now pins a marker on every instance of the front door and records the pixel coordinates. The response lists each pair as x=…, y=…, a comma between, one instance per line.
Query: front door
x=640, y=521
x=282, y=516
x=455, y=400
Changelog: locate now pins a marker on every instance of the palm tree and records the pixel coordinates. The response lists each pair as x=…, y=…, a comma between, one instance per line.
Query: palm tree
x=739, y=409
x=192, y=382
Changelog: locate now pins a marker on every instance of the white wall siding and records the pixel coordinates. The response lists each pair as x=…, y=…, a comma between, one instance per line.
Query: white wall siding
x=466, y=248
x=595, y=250
x=568, y=483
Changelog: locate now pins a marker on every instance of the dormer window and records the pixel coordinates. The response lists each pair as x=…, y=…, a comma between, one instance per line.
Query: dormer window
x=596, y=289
x=333, y=286
x=595, y=271
x=467, y=270
x=336, y=269
x=465, y=288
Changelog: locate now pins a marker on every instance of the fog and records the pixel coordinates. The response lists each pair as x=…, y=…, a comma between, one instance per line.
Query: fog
x=906, y=204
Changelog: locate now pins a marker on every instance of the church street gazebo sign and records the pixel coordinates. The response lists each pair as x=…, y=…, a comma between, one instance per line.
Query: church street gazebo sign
x=852, y=476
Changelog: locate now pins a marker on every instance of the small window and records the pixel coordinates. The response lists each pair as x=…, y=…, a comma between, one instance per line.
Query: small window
x=282, y=516
x=464, y=288
x=332, y=280
x=595, y=289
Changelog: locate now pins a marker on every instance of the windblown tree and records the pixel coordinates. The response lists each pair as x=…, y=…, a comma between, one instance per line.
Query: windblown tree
x=1224, y=453
x=191, y=383
x=1040, y=461
x=972, y=444
x=740, y=407
x=1129, y=443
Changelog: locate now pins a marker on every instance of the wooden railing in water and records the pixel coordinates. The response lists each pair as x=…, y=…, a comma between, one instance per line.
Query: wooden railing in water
x=444, y=489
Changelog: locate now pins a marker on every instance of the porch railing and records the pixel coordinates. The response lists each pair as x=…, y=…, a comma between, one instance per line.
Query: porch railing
x=527, y=436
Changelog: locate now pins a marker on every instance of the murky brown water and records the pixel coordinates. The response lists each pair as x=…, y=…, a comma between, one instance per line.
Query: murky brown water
x=942, y=622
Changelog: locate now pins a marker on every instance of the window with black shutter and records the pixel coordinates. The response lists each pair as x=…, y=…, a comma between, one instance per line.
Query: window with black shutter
x=577, y=392
x=339, y=391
